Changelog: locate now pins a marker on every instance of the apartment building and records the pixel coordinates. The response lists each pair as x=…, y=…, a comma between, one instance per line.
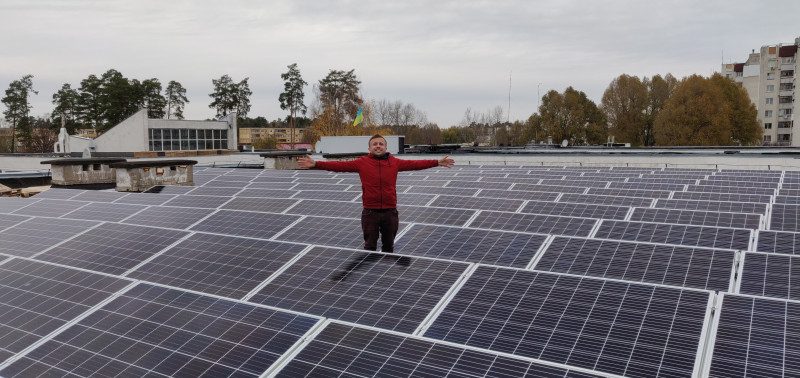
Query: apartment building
x=247, y=135
x=769, y=76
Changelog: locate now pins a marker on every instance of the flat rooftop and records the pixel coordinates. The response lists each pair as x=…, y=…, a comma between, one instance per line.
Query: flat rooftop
x=502, y=267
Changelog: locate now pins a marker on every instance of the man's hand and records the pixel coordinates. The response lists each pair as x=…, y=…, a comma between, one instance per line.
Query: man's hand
x=445, y=162
x=307, y=162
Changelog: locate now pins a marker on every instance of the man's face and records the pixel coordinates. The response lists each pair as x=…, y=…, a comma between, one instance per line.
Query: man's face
x=377, y=146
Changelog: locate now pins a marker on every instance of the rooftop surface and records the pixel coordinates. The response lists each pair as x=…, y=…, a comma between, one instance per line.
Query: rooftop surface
x=511, y=270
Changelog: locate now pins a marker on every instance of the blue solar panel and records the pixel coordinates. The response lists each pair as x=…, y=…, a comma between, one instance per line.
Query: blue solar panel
x=770, y=275
x=609, y=326
x=754, y=337
x=778, y=242
x=350, y=351
x=155, y=331
x=382, y=290
x=471, y=245
x=677, y=234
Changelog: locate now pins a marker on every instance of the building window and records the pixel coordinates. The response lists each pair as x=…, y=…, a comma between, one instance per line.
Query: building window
x=767, y=138
x=772, y=63
x=787, y=73
x=770, y=88
x=785, y=112
x=785, y=99
x=187, y=139
x=768, y=125
x=739, y=74
x=784, y=137
x=770, y=100
x=768, y=113
x=787, y=86
x=770, y=75
x=784, y=124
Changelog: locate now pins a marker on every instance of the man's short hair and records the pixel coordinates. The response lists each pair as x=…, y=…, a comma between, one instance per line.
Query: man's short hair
x=375, y=137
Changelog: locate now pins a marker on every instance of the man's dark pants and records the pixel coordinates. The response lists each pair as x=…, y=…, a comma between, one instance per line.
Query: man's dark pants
x=379, y=221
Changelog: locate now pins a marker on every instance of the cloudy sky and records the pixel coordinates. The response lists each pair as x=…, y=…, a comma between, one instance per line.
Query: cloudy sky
x=441, y=56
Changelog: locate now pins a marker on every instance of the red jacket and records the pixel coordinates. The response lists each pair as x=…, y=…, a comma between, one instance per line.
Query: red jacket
x=378, y=176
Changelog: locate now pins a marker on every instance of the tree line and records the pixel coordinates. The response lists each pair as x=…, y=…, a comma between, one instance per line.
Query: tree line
x=657, y=111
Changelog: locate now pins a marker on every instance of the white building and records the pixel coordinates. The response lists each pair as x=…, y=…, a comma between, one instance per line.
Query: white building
x=769, y=78
x=139, y=133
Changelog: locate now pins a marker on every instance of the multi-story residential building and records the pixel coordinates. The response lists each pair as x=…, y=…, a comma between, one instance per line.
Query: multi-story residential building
x=247, y=135
x=769, y=76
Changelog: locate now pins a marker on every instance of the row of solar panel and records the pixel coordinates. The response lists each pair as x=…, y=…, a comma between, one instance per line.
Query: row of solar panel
x=782, y=217
x=115, y=248
x=112, y=326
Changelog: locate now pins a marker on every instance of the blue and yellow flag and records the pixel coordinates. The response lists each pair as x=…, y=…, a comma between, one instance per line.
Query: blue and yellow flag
x=359, y=118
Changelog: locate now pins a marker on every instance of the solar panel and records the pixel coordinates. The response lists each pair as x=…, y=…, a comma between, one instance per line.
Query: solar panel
x=770, y=275
x=700, y=218
x=647, y=186
x=221, y=192
x=434, y=215
x=50, y=208
x=542, y=224
x=572, y=181
x=781, y=199
x=727, y=197
x=155, y=331
x=630, y=192
x=36, y=299
x=460, y=202
x=517, y=194
x=478, y=185
x=346, y=233
x=169, y=217
x=99, y=196
x=8, y=220
x=328, y=180
x=145, y=198
x=347, y=350
x=729, y=207
x=381, y=290
x=271, y=185
x=225, y=183
x=549, y=188
x=28, y=238
x=613, y=327
x=112, y=248
x=414, y=199
x=437, y=190
x=206, y=202
x=170, y=189
x=606, y=200
x=328, y=209
x=220, y=265
x=754, y=337
x=782, y=218
x=699, y=236
x=311, y=186
x=778, y=242
x=10, y=204
x=470, y=245
x=580, y=210
x=269, y=205
x=730, y=189
x=700, y=268
x=330, y=195
x=245, y=223
x=104, y=211
x=59, y=193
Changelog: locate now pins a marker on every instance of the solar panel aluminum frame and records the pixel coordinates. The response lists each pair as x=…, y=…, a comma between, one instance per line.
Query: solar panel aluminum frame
x=538, y=255
x=315, y=331
x=72, y=322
